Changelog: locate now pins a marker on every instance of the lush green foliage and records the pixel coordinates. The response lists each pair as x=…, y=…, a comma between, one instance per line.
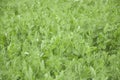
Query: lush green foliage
x=59, y=39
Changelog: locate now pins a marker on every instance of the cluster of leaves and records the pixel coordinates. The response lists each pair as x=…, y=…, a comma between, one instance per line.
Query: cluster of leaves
x=59, y=40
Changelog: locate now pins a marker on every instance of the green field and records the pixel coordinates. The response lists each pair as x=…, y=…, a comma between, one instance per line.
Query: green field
x=59, y=39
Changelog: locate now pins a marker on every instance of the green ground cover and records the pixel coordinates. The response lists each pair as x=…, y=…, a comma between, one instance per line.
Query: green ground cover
x=59, y=39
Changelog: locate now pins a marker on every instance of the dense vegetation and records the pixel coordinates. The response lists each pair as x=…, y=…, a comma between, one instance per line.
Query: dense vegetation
x=59, y=39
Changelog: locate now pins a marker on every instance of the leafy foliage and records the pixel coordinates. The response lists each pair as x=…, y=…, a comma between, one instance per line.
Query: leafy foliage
x=59, y=40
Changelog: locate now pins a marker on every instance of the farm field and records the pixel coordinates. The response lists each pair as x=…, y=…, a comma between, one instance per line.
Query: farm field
x=59, y=39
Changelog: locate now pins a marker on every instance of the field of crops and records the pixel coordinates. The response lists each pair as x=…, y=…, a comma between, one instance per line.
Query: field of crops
x=59, y=39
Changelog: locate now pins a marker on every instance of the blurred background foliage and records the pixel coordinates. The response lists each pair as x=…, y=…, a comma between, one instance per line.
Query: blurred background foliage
x=59, y=39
